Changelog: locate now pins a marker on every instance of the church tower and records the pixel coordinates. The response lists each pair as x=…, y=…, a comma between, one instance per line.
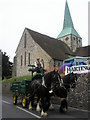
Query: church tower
x=68, y=34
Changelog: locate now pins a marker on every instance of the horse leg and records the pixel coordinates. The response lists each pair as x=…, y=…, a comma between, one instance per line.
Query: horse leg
x=31, y=101
x=43, y=113
x=38, y=106
x=30, y=106
x=63, y=107
x=51, y=106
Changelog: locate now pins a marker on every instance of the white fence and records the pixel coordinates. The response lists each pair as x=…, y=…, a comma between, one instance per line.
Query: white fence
x=77, y=69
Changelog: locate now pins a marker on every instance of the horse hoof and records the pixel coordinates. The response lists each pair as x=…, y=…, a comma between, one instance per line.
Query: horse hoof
x=30, y=108
x=43, y=114
x=38, y=110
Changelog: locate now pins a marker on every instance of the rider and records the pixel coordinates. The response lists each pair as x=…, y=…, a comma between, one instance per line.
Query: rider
x=40, y=66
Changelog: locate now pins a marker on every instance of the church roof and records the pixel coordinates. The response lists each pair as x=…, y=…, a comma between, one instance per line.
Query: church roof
x=68, y=27
x=56, y=49
x=83, y=51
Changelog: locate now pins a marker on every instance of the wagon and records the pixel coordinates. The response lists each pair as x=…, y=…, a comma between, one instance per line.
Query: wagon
x=21, y=91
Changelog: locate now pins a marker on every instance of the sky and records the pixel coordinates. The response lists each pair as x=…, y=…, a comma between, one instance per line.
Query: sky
x=43, y=16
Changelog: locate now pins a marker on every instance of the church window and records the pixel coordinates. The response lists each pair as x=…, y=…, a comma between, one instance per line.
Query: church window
x=58, y=64
x=25, y=59
x=25, y=40
x=29, y=58
x=66, y=38
x=21, y=60
x=79, y=41
x=73, y=38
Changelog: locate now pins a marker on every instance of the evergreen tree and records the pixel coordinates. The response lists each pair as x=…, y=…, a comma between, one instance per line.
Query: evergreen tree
x=6, y=66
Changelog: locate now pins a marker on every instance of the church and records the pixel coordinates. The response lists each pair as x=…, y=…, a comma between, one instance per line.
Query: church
x=68, y=34
x=52, y=51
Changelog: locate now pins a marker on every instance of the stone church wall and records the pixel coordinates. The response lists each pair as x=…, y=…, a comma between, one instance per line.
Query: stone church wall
x=72, y=41
x=67, y=40
x=32, y=50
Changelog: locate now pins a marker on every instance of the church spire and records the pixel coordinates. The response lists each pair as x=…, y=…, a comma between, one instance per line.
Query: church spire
x=67, y=18
x=68, y=34
x=68, y=27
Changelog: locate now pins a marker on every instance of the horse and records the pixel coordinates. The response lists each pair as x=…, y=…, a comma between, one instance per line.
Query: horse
x=54, y=82
x=38, y=89
x=50, y=85
x=69, y=81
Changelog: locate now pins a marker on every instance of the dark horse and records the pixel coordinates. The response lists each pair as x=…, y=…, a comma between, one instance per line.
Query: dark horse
x=38, y=89
x=69, y=81
x=54, y=82
x=50, y=85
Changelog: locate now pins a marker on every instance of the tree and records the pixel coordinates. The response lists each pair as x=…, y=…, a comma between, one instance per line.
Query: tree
x=6, y=66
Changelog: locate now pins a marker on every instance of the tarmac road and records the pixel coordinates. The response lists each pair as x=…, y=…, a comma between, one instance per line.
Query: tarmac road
x=16, y=111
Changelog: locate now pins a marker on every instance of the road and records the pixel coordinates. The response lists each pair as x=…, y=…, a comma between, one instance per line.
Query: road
x=16, y=111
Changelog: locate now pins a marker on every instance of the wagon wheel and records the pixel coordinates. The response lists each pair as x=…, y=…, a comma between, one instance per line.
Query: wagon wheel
x=24, y=102
x=14, y=99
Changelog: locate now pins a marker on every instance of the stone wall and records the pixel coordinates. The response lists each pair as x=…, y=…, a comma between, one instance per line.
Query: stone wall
x=30, y=50
x=79, y=97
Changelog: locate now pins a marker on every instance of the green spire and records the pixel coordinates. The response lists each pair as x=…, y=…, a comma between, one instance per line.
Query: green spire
x=67, y=18
x=68, y=27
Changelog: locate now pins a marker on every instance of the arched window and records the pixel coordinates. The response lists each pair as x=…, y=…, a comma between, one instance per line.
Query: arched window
x=25, y=59
x=73, y=38
x=25, y=40
x=29, y=58
x=79, y=40
x=67, y=38
x=21, y=60
x=76, y=40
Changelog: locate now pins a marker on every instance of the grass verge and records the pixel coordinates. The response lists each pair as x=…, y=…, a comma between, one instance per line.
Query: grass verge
x=15, y=79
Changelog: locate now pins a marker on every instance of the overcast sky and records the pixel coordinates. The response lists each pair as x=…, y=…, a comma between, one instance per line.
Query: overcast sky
x=44, y=16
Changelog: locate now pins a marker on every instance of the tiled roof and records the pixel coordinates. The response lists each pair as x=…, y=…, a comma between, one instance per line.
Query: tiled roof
x=83, y=51
x=55, y=48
